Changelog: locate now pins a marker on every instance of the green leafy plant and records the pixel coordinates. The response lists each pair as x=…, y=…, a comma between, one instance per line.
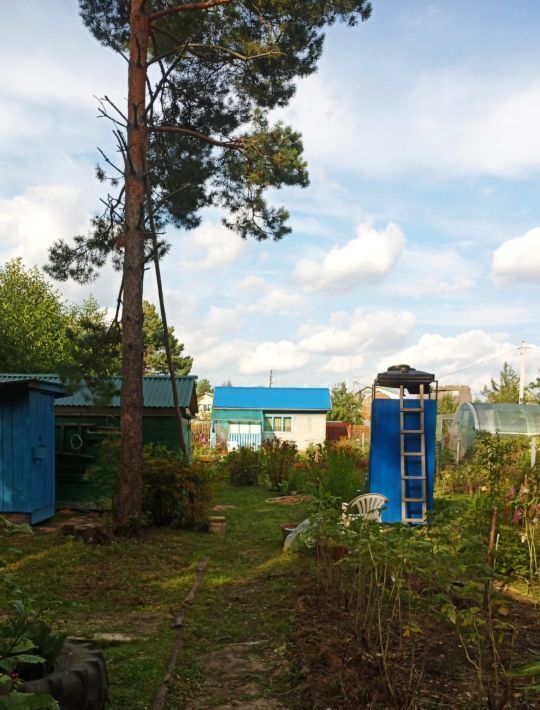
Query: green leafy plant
x=277, y=459
x=28, y=647
x=243, y=466
x=174, y=493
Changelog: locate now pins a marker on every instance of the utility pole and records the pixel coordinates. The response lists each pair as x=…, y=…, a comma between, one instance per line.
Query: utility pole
x=522, y=351
x=271, y=379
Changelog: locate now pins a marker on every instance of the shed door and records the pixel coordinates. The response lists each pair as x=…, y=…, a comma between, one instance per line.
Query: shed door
x=42, y=456
x=14, y=496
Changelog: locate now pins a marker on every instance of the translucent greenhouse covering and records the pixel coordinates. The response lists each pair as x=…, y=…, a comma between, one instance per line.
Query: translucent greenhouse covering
x=507, y=419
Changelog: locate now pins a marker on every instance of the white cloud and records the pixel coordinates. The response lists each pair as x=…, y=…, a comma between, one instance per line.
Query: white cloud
x=366, y=258
x=442, y=272
x=518, y=260
x=251, y=284
x=274, y=300
x=280, y=300
x=343, y=364
x=498, y=316
x=223, y=320
x=474, y=356
x=213, y=245
x=221, y=357
x=30, y=222
x=454, y=121
x=345, y=334
x=279, y=356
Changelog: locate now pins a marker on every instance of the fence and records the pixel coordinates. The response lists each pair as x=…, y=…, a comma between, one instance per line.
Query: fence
x=200, y=431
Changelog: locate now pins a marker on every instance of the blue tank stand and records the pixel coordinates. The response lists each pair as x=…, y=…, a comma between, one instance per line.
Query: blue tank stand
x=385, y=455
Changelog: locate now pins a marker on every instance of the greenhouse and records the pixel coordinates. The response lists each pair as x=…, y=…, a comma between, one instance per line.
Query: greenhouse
x=507, y=419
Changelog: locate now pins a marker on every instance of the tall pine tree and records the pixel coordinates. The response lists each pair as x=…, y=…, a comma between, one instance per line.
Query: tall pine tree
x=202, y=78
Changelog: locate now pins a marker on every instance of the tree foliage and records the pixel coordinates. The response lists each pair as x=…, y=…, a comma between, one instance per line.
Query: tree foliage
x=40, y=332
x=155, y=358
x=506, y=390
x=34, y=319
x=346, y=405
x=533, y=391
x=204, y=387
x=219, y=73
x=447, y=404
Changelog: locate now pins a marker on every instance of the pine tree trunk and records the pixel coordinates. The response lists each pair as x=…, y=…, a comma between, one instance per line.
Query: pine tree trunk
x=129, y=498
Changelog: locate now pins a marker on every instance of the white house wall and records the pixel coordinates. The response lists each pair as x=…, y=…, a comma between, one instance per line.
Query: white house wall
x=306, y=429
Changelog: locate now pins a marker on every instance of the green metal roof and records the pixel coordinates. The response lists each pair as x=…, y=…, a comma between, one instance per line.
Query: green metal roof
x=156, y=390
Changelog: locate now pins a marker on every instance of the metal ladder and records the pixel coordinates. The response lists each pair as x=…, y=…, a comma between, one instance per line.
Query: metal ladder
x=414, y=457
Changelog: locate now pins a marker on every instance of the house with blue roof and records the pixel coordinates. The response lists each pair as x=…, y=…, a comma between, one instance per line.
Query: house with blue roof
x=246, y=416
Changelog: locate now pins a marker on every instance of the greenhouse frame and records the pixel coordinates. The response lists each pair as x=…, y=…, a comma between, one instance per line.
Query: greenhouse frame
x=507, y=419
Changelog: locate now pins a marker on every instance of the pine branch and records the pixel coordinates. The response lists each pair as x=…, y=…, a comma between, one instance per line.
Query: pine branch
x=231, y=52
x=188, y=6
x=235, y=144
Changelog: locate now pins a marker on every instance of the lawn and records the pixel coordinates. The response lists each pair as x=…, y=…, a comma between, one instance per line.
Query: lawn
x=133, y=586
x=280, y=631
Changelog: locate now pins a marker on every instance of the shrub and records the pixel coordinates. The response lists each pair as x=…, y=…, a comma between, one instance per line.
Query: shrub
x=175, y=493
x=337, y=473
x=495, y=462
x=277, y=459
x=243, y=466
x=346, y=472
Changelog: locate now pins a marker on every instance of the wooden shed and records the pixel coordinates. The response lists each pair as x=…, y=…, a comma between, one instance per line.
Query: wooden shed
x=27, y=448
x=82, y=423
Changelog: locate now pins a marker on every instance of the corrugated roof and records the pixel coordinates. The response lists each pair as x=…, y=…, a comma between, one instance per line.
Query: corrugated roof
x=266, y=398
x=156, y=390
x=43, y=382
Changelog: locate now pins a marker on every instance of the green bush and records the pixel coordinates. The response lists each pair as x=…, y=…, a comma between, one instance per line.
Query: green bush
x=243, y=466
x=346, y=472
x=277, y=460
x=338, y=473
x=495, y=462
x=175, y=493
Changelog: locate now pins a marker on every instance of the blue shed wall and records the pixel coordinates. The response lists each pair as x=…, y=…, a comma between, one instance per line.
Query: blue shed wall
x=27, y=453
x=14, y=466
x=42, y=491
x=385, y=453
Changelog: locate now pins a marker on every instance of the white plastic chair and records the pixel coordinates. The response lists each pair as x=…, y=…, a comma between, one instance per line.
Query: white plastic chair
x=367, y=506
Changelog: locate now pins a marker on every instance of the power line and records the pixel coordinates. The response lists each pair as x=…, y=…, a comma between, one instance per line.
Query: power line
x=477, y=364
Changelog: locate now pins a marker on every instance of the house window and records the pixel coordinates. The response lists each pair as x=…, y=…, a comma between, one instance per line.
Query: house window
x=279, y=423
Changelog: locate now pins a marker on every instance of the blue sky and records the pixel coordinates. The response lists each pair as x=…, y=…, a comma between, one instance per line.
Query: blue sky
x=417, y=241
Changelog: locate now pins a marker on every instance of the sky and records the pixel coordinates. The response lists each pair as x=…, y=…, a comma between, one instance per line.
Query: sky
x=417, y=241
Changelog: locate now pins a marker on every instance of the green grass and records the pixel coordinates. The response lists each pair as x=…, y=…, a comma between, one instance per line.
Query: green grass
x=132, y=585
